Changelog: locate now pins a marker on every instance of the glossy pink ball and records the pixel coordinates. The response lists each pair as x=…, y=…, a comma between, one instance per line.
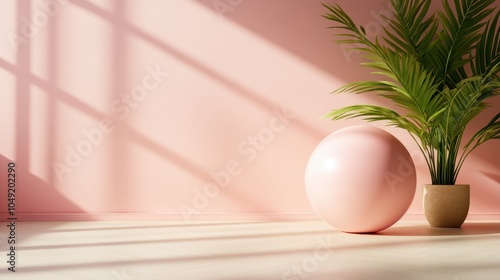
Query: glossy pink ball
x=360, y=179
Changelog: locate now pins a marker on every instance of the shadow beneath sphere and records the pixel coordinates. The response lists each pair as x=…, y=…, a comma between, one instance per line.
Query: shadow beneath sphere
x=468, y=228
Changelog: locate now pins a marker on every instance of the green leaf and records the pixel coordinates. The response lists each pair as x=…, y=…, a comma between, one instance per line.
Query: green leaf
x=439, y=69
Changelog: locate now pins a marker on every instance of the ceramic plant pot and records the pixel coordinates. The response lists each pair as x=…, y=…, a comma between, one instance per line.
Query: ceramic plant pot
x=446, y=206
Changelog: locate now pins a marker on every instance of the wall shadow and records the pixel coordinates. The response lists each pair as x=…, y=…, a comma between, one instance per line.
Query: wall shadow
x=293, y=26
x=285, y=23
x=47, y=199
x=119, y=169
x=299, y=28
x=33, y=195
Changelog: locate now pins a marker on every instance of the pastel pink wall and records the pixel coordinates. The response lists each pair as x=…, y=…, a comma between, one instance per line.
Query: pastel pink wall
x=143, y=106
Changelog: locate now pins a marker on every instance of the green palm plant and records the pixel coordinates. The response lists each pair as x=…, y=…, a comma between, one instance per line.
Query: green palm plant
x=440, y=68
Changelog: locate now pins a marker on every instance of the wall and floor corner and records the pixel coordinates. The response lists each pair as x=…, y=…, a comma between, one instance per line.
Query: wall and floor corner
x=181, y=110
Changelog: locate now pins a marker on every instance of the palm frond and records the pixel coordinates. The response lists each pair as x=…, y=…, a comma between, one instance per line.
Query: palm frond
x=440, y=69
x=373, y=113
x=354, y=35
x=488, y=132
x=462, y=28
x=411, y=30
x=487, y=52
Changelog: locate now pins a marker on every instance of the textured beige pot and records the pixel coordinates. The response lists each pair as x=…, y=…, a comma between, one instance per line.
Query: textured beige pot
x=446, y=205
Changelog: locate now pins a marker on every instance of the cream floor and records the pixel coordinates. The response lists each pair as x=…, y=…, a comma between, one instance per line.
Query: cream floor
x=250, y=250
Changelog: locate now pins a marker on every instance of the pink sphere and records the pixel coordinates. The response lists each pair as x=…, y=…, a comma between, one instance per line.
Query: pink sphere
x=360, y=179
